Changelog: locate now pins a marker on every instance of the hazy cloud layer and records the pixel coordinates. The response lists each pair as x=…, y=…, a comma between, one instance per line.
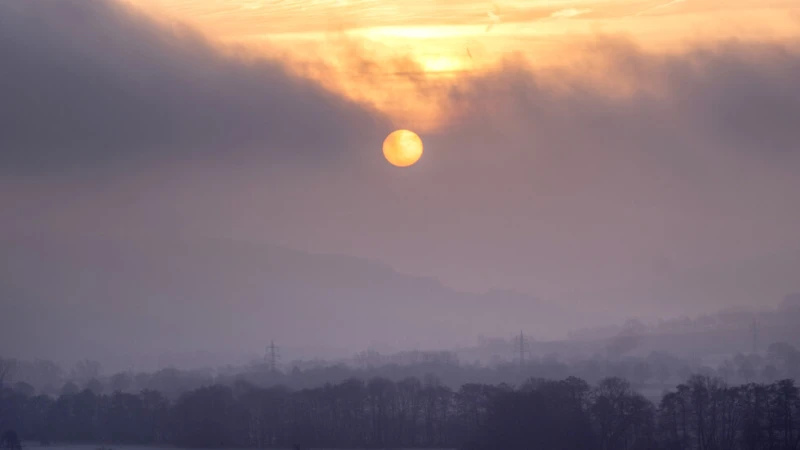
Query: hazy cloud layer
x=586, y=176
x=733, y=96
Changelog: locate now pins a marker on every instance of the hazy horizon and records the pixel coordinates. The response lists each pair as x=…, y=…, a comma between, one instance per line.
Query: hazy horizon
x=184, y=176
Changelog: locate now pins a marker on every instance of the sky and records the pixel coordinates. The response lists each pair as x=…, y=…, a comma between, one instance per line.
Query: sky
x=445, y=40
x=613, y=158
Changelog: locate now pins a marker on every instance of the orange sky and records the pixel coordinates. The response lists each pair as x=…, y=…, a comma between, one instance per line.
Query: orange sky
x=380, y=51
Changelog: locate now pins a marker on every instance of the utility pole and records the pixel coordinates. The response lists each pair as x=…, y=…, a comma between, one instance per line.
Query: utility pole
x=272, y=356
x=521, y=343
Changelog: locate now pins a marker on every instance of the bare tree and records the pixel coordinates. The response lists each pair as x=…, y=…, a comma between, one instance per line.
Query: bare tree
x=6, y=366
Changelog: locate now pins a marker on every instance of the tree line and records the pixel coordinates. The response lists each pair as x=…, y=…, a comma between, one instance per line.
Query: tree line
x=651, y=373
x=704, y=413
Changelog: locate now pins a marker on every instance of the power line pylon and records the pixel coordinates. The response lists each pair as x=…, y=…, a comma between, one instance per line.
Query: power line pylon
x=273, y=356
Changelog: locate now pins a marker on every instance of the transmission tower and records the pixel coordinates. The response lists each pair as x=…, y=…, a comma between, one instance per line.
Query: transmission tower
x=754, y=331
x=522, y=350
x=272, y=356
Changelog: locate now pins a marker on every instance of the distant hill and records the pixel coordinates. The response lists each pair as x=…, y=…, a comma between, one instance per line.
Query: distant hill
x=113, y=298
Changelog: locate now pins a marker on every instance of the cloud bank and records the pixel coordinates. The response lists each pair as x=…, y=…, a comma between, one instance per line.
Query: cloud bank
x=88, y=83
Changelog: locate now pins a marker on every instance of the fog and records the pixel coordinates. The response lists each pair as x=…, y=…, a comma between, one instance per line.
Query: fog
x=161, y=195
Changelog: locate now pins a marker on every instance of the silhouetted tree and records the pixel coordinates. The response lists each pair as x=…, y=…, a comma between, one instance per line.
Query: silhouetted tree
x=121, y=382
x=205, y=418
x=9, y=440
x=704, y=413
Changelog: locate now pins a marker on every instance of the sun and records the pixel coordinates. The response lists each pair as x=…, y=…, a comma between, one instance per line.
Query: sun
x=402, y=148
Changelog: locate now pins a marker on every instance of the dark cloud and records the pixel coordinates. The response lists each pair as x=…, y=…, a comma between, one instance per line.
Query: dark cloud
x=740, y=97
x=90, y=82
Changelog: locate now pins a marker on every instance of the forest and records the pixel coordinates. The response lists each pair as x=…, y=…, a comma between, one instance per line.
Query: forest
x=650, y=373
x=415, y=400
x=703, y=413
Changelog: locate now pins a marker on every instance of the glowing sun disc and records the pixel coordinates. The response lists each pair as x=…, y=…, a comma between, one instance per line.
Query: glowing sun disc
x=402, y=148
